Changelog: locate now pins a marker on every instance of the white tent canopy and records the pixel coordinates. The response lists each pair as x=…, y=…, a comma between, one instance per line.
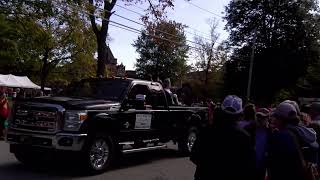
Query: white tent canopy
x=18, y=82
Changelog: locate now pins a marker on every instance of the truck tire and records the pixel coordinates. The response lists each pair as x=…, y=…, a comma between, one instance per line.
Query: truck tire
x=186, y=143
x=98, y=154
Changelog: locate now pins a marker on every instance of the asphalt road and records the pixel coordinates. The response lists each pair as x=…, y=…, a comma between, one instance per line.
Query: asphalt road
x=157, y=165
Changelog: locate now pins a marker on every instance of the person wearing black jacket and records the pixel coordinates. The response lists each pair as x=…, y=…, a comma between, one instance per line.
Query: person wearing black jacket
x=285, y=156
x=224, y=151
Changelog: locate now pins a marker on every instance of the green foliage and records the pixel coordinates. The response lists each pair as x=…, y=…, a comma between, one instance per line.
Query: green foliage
x=313, y=76
x=214, y=88
x=52, y=42
x=205, y=52
x=45, y=37
x=102, y=9
x=159, y=57
x=18, y=52
x=8, y=48
x=309, y=85
x=210, y=59
x=283, y=94
x=287, y=42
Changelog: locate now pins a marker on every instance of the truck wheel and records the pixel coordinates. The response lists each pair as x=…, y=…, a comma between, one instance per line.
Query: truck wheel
x=99, y=153
x=185, y=145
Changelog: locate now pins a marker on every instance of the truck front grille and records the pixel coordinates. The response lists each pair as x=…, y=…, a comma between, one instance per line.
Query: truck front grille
x=34, y=118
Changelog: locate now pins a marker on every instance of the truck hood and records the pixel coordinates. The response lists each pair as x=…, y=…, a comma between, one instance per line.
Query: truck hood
x=76, y=103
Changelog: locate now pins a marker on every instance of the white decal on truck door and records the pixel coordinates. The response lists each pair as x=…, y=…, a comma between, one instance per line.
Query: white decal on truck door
x=143, y=121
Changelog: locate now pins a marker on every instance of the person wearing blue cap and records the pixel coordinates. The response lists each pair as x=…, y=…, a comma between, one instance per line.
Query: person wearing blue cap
x=223, y=150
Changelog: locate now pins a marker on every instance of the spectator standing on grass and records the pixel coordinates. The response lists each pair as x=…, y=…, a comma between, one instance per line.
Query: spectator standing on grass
x=4, y=113
x=223, y=150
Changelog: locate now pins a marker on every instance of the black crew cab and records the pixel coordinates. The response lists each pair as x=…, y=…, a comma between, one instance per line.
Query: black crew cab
x=100, y=118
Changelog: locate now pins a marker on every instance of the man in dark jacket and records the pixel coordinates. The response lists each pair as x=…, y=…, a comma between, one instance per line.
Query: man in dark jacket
x=286, y=160
x=224, y=151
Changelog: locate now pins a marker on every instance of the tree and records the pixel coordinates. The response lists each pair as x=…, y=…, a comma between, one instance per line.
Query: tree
x=104, y=7
x=163, y=51
x=210, y=59
x=15, y=52
x=58, y=34
x=8, y=47
x=205, y=52
x=286, y=37
x=81, y=65
x=309, y=85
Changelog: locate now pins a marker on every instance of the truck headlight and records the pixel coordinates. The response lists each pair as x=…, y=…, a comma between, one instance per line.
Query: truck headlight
x=74, y=119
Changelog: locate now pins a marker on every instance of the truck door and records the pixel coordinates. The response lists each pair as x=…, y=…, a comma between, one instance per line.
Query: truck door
x=137, y=123
x=162, y=123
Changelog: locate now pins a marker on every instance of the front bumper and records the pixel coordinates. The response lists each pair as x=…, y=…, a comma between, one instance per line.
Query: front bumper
x=59, y=141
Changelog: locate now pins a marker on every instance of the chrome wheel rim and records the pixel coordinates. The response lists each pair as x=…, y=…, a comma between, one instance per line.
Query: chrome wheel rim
x=99, y=154
x=191, y=139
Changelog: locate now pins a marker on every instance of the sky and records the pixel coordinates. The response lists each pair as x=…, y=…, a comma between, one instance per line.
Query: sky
x=184, y=12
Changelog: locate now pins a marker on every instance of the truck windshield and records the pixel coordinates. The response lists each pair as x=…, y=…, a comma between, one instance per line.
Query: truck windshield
x=113, y=89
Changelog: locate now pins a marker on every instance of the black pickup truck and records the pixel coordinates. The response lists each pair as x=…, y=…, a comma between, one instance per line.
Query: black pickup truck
x=101, y=118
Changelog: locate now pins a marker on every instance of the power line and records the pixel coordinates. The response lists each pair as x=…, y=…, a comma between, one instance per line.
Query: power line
x=157, y=30
x=197, y=31
x=128, y=28
x=137, y=7
x=135, y=12
x=153, y=10
x=203, y=9
x=129, y=10
x=114, y=25
x=124, y=28
x=131, y=29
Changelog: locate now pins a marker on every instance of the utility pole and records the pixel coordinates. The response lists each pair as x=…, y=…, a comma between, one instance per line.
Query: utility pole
x=251, y=65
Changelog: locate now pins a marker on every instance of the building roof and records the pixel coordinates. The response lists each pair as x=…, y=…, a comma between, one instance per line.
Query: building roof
x=124, y=79
x=110, y=59
x=131, y=74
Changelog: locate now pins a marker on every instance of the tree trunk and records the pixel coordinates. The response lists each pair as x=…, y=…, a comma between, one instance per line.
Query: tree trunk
x=101, y=34
x=44, y=69
x=102, y=56
x=43, y=81
x=207, y=72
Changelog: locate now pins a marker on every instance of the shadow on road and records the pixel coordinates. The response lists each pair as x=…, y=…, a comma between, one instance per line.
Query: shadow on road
x=67, y=170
